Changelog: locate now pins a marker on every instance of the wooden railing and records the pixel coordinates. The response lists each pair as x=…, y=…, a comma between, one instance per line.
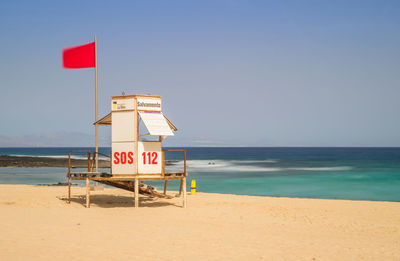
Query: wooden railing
x=69, y=160
x=163, y=160
x=94, y=159
x=69, y=168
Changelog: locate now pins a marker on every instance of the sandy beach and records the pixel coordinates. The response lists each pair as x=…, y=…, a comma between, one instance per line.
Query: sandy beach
x=38, y=224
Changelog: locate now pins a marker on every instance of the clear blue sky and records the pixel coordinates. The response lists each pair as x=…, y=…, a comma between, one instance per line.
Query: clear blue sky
x=231, y=73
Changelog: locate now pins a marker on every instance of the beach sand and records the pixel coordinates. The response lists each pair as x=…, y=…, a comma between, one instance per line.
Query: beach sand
x=38, y=224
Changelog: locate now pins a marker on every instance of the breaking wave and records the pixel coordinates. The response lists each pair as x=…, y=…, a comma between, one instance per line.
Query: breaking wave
x=338, y=168
x=246, y=166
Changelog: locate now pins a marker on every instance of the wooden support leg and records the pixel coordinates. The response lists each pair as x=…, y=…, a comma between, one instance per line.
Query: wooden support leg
x=184, y=191
x=69, y=190
x=136, y=193
x=165, y=186
x=180, y=188
x=87, y=193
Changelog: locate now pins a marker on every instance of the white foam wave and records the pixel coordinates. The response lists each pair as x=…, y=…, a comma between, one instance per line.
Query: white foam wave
x=339, y=168
x=241, y=166
x=225, y=165
x=222, y=166
x=257, y=161
x=219, y=166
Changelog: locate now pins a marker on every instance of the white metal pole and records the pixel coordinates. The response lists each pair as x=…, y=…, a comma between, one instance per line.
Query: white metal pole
x=97, y=106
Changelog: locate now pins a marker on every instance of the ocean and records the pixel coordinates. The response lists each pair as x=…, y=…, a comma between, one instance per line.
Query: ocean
x=332, y=173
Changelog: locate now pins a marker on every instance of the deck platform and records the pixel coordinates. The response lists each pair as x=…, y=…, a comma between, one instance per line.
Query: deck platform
x=133, y=183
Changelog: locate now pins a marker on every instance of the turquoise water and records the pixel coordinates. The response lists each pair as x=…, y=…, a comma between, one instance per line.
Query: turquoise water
x=335, y=173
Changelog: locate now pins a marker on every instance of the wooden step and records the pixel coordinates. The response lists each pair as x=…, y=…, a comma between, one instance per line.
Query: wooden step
x=130, y=186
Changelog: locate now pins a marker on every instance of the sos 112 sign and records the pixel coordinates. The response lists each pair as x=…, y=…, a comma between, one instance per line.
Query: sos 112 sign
x=148, y=158
x=123, y=157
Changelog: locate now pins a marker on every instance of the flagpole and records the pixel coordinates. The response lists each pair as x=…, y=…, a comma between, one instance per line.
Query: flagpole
x=97, y=106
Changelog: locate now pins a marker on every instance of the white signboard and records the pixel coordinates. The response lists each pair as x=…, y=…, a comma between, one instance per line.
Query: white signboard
x=122, y=160
x=149, y=157
x=155, y=123
x=122, y=104
x=149, y=104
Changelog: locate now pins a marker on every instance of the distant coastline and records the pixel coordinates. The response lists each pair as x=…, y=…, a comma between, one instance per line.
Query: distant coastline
x=8, y=161
x=45, y=162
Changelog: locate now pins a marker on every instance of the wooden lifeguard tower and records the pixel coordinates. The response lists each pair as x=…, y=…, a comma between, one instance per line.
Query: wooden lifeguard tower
x=133, y=159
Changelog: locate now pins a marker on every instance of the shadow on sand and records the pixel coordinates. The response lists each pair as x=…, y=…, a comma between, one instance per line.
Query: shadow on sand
x=112, y=201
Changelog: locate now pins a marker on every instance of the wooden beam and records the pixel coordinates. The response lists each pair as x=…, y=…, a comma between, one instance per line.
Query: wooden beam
x=87, y=192
x=136, y=138
x=165, y=186
x=69, y=189
x=184, y=192
x=180, y=187
x=69, y=177
x=145, y=134
x=136, y=193
x=163, y=163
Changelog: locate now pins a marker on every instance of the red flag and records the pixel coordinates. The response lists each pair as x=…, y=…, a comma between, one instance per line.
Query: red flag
x=79, y=57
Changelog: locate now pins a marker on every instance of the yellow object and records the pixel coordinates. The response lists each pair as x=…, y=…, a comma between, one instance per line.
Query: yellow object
x=193, y=187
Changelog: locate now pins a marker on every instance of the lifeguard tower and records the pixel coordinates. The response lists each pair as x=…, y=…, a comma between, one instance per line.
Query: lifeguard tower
x=133, y=158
